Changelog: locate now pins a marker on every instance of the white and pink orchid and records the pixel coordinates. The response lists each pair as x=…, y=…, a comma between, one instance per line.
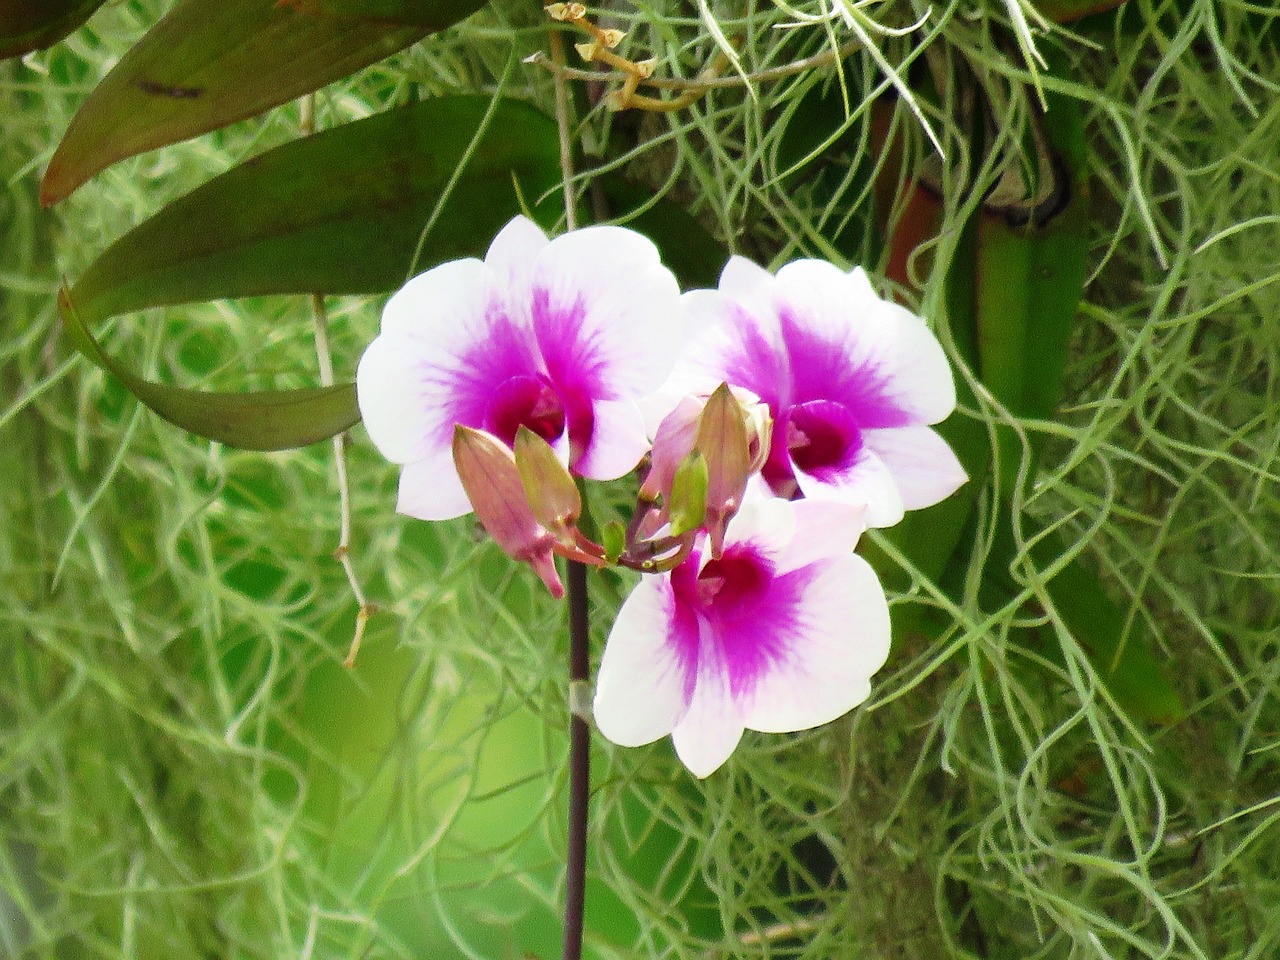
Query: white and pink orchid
x=563, y=336
x=781, y=633
x=795, y=410
x=853, y=383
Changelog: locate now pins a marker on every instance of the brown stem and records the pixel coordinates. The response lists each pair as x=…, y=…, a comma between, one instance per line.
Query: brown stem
x=575, y=874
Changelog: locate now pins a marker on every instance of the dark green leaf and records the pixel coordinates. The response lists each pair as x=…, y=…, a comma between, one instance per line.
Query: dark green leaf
x=206, y=65
x=27, y=25
x=1065, y=11
x=1123, y=654
x=339, y=212
x=436, y=14
x=267, y=420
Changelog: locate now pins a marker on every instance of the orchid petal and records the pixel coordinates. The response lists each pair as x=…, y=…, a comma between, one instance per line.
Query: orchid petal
x=823, y=529
x=866, y=481
x=430, y=488
x=840, y=640
x=710, y=729
x=445, y=346
x=618, y=440
x=402, y=415
x=924, y=467
x=745, y=280
x=511, y=258
x=642, y=687
x=605, y=313
x=766, y=523
x=847, y=344
x=732, y=341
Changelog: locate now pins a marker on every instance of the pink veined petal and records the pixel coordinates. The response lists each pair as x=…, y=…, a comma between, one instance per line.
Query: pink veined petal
x=767, y=524
x=824, y=529
x=447, y=345
x=642, y=683
x=733, y=341
x=618, y=440
x=841, y=345
x=866, y=481
x=920, y=381
x=924, y=467
x=403, y=416
x=431, y=490
x=847, y=344
x=711, y=728
x=840, y=640
x=512, y=256
x=605, y=313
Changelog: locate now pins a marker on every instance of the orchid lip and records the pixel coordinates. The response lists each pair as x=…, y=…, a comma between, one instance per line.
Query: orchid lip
x=821, y=436
x=525, y=401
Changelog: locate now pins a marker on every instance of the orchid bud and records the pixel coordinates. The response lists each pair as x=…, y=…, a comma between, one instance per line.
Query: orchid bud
x=687, y=504
x=489, y=475
x=671, y=444
x=722, y=440
x=548, y=486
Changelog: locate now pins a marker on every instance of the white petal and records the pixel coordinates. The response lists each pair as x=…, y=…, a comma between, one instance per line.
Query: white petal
x=924, y=467
x=921, y=381
x=606, y=312
x=618, y=441
x=402, y=415
x=867, y=481
x=512, y=256
x=443, y=302
x=847, y=344
x=841, y=641
x=744, y=279
x=823, y=529
x=731, y=341
x=641, y=683
x=767, y=523
x=431, y=490
x=442, y=351
x=711, y=728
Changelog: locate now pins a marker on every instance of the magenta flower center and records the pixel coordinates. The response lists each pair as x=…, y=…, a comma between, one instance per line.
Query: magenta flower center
x=732, y=586
x=822, y=435
x=525, y=401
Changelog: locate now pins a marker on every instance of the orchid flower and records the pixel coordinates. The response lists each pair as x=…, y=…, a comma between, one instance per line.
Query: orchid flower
x=562, y=336
x=853, y=383
x=782, y=632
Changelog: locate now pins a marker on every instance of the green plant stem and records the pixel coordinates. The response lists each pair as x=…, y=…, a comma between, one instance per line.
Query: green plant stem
x=579, y=764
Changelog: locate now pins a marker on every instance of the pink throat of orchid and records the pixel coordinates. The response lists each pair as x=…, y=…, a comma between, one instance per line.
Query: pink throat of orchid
x=822, y=435
x=525, y=401
x=733, y=584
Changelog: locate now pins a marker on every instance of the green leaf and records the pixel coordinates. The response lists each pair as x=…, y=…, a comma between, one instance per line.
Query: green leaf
x=205, y=65
x=340, y=212
x=266, y=420
x=1121, y=652
x=27, y=25
x=436, y=14
x=1123, y=655
x=1065, y=11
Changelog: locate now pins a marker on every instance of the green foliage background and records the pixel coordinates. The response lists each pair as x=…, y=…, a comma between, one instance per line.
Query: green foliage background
x=187, y=770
